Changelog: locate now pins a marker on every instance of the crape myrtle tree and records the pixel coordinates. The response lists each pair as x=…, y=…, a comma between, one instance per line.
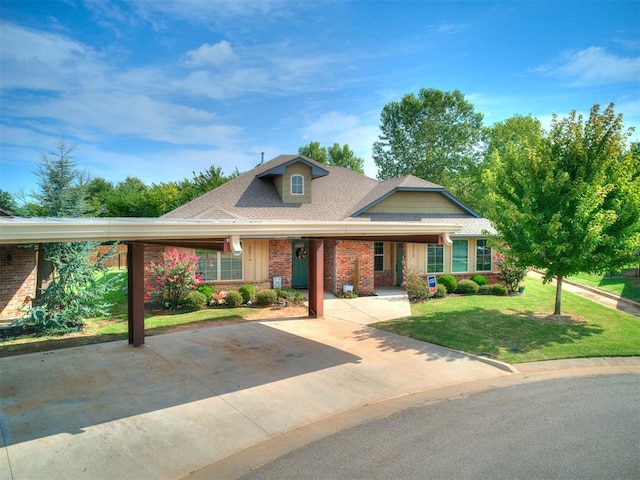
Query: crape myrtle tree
x=437, y=136
x=72, y=293
x=335, y=155
x=567, y=201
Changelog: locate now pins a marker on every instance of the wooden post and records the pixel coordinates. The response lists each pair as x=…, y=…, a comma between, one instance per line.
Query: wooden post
x=316, y=278
x=135, y=287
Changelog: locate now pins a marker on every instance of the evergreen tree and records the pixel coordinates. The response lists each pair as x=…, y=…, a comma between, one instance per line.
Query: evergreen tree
x=72, y=293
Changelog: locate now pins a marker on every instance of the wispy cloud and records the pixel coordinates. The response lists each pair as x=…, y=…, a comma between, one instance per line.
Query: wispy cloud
x=207, y=55
x=592, y=66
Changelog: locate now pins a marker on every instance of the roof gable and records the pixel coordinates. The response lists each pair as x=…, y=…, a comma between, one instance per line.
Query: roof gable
x=281, y=167
x=409, y=183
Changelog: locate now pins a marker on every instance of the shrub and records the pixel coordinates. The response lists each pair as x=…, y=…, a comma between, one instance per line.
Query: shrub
x=486, y=290
x=467, y=287
x=499, y=289
x=480, y=279
x=510, y=271
x=194, y=300
x=233, y=299
x=207, y=290
x=248, y=292
x=291, y=295
x=266, y=297
x=174, y=277
x=448, y=281
x=417, y=289
x=441, y=291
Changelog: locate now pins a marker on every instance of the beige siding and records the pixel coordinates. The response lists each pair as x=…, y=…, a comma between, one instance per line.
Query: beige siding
x=416, y=257
x=416, y=202
x=255, y=260
x=296, y=169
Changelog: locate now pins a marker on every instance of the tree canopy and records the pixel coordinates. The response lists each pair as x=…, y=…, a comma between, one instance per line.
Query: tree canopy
x=566, y=201
x=434, y=135
x=335, y=156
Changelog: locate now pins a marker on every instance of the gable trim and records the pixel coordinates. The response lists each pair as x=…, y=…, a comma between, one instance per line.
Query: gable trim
x=316, y=171
x=439, y=190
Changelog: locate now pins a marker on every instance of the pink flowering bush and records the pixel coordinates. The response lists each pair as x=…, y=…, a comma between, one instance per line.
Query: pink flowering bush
x=174, y=277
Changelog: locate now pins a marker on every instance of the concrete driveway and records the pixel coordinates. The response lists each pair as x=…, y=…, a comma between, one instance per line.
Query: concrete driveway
x=187, y=400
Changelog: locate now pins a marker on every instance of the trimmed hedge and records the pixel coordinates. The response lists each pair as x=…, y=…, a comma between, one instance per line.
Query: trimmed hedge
x=233, y=299
x=266, y=297
x=441, y=291
x=448, y=281
x=247, y=291
x=194, y=300
x=467, y=287
x=480, y=279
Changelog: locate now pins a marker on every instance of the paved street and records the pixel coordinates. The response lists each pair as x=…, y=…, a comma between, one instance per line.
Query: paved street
x=562, y=429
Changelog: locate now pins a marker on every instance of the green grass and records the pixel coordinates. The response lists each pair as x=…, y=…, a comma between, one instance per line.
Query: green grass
x=519, y=329
x=623, y=286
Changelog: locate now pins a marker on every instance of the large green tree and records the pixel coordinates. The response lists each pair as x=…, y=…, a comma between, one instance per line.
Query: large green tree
x=567, y=201
x=335, y=156
x=434, y=135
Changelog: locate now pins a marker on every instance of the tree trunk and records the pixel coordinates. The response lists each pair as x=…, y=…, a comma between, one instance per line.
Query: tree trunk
x=556, y=311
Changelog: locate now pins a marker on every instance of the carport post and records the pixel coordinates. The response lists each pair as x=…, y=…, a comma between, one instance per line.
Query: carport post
x=316, y=278
x=135, y=290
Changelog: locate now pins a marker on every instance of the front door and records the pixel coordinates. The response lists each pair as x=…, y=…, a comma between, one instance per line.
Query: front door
x=399, y=265
x=299, y=264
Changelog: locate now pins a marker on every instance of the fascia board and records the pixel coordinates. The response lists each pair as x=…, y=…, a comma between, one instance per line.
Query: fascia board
x=22, y=230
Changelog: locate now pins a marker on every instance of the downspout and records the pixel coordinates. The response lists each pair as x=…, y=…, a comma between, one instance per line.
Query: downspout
x=445, y=238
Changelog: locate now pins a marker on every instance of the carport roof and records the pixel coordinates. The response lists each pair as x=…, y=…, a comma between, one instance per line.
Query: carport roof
x=20, y=230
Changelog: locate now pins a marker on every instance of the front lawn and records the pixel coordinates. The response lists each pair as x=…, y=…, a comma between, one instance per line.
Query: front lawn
x=520, y=328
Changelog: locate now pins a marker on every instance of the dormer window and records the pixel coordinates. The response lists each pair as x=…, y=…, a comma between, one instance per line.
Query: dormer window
x=297, y=185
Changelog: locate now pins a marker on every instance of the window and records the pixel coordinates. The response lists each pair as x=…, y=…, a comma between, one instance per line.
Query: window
x=435, y=258
x=297, y=185
x=460, y=256
x=217, y=266
x=378, y=256
x=483, y=256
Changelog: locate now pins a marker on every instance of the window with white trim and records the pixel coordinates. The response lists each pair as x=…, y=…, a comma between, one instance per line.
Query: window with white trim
x=219, y=266
x=460, y=256
x=378, y=256
x=483, y=256
x=435, y=258
x=297, y=185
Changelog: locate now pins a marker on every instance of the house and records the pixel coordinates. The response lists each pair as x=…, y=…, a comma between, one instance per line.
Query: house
x=296, y=188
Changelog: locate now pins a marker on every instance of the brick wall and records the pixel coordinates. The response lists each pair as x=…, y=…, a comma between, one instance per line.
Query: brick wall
x=280, y=261
x=152, y=254
x=17, y=280
x=330, y=266
x=346, y=253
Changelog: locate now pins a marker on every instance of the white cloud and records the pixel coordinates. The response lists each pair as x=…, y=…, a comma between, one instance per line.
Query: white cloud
x=335, y=127
x=45, y=61
x=593, y=66
x=206, y=54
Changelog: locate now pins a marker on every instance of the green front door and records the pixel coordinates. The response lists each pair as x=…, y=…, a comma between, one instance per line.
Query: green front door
x=399, y=265
x=299, y=264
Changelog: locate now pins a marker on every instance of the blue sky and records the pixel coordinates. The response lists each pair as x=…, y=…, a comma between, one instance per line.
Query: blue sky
x=158, y=90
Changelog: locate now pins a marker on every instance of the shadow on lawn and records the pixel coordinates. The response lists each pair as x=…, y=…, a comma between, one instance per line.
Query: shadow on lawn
x=486, y=332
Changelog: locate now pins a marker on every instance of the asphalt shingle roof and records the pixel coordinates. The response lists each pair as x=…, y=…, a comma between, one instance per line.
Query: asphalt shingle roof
x=335, y=197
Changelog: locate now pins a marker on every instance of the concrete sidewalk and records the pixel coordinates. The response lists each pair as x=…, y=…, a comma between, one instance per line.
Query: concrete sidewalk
x=188, y=400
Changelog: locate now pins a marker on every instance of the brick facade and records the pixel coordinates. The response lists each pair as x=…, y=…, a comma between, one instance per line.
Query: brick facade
x=345, y=254
x=280, y=256
x=17, y=280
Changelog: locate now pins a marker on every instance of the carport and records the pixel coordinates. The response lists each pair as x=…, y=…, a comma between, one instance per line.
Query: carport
x=211, y=234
